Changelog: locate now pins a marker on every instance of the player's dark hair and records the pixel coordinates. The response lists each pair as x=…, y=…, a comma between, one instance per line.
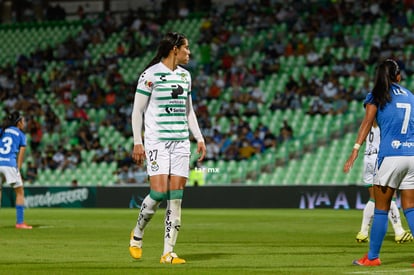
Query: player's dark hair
x=166, y=44
x=11, y=120
x=386, y=74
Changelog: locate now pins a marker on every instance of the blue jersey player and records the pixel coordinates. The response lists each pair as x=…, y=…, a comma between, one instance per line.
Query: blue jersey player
x=392, y=106
x=12, y=148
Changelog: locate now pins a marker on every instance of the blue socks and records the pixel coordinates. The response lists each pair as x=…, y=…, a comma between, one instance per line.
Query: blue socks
x=19, y=214
x=378, y=231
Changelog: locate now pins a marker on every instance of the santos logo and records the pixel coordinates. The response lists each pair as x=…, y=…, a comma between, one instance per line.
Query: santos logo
x=172, y=110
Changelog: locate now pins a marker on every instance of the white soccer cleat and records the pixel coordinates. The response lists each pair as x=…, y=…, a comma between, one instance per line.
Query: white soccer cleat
x=404, y=238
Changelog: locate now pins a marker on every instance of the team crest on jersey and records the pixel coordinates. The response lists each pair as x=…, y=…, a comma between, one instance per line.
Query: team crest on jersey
x=154, y=166
x=184, y=77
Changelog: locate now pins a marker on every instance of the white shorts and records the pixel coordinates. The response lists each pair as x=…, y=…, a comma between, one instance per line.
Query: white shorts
x=370, y=161
x=396, y=172
x=168, y=158
x=12, y=176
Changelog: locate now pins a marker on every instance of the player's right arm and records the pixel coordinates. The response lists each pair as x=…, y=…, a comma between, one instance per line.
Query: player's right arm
x=364, y=129
x=140, y=102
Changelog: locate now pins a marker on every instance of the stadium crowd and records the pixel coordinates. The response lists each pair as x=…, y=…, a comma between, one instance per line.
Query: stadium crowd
x=220, y=70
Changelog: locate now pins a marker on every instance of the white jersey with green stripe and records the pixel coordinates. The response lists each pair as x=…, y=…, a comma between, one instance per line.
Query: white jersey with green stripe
x=166, y=111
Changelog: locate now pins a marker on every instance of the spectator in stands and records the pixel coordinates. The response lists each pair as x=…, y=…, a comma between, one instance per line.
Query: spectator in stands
x=71, y=160
x=109, y=156
x=230, y=108
x=137, y=174
x=257, y=142
x=340, y=104
x=246, y=149
x=285, y=132
x=312, y=57
x=213, y=149
x=279, y=102
x=99, y=151
x=214, y=91
x=31, y=173
x=269, y=139
x=251, y=108
x=80, y=114
x=123, y=175
x=35, y=130
x=120, y=50
x=318, y=106
x=122, y=156
x=257, y=95
x=85, y=137
x=52, y=121
x=59, y=158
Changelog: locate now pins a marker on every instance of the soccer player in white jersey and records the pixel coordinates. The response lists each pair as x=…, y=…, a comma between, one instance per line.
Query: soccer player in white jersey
x=392, y=107
x=12, y=149
x=370, y=159
x=163, y=102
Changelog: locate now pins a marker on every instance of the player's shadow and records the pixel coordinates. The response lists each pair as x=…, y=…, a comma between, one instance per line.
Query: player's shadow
x=204, y=256
x=33, y=225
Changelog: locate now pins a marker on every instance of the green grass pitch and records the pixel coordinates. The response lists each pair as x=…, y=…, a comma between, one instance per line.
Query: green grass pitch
x=213, y=241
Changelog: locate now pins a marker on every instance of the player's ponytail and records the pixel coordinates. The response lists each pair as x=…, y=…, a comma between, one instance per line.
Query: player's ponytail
x=11, y=120
x=167, y=43
x=386, y=74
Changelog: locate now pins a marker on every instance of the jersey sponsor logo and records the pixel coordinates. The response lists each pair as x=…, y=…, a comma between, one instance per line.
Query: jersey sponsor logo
x=149, y=84
x=408, y=144
x=395, y=144
x=177, y=102
x=4, y=159
x=172, y=110
x=176, y=91
x=163, y=77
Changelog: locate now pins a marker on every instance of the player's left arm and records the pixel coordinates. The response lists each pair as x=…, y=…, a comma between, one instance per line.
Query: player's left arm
x=195, y=129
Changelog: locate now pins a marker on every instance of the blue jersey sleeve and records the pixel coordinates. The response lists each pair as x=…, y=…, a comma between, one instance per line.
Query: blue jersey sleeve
x=369, y=99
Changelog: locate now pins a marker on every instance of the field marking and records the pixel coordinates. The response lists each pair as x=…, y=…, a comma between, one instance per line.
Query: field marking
x=44, y=226
x=380, y=271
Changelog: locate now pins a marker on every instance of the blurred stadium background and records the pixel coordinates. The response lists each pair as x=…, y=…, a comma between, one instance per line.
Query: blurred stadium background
x=278, y=85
